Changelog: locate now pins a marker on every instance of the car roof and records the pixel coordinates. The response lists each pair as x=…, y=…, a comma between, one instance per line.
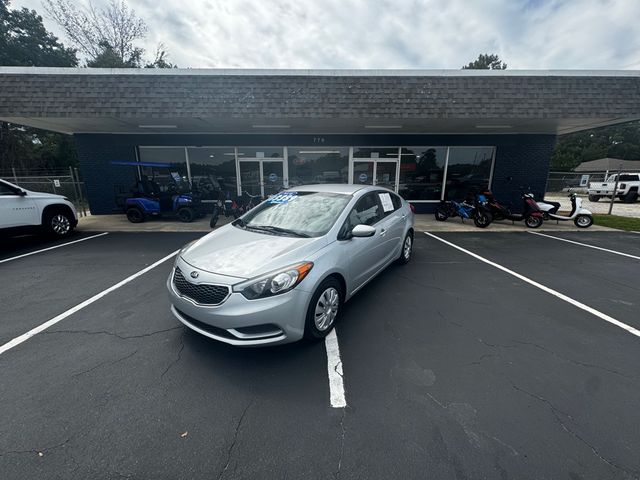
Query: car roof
x=332, y=188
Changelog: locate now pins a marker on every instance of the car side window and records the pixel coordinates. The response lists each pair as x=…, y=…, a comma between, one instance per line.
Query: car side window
x=397, y=201
x=390, y=202
x=6, y=189
x=367, y=211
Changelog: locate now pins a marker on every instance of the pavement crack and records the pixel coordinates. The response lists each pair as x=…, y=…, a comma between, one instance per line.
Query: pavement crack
x=555, y=412
x=178, y=357
x=37, y=451
x=235, y=439
x=112, y=334
x=107, y=362
x=575, y=362
x=481, y=359
x=472, y=333
x=343, y=432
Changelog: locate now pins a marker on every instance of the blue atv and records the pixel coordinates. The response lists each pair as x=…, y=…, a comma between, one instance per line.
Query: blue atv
x=150, y=200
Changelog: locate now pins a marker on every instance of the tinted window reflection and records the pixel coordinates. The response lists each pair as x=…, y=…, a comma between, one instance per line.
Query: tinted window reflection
x=468, y=171
x=170, y=175
x=313, y=165
x=213, y=172
x=422, y=172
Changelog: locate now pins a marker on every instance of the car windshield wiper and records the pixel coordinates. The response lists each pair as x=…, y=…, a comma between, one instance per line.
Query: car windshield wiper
x=272, y=229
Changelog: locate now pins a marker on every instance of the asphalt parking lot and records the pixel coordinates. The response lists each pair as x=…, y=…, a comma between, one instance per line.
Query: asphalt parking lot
x=453, y=367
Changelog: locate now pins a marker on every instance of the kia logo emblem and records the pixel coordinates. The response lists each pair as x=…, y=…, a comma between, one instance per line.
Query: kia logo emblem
x=194, y=274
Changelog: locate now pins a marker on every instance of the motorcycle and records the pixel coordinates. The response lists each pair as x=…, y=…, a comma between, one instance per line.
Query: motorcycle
x=582, y=217
x=478, y=211
x=532, y=215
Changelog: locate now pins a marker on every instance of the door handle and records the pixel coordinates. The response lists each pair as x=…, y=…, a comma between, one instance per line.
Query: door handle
x=383, y=232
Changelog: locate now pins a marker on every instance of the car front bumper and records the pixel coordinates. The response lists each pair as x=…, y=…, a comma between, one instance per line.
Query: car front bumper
x=239, y=321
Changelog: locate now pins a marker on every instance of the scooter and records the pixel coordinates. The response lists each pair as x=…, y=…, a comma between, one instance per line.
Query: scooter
x=582, y=217
x=532, y=215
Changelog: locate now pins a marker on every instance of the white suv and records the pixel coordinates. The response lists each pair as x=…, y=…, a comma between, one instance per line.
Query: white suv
x=23, y=210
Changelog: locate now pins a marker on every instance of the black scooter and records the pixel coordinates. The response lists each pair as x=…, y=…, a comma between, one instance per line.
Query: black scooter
x=532, y=215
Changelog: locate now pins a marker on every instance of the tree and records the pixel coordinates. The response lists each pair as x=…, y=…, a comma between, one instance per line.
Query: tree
x=486, y=61
x=617, y=141
x=160, y=60
x=24, y=41
x=106, y=36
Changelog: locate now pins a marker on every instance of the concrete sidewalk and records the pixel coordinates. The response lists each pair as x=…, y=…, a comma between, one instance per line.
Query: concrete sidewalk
x=424, y=222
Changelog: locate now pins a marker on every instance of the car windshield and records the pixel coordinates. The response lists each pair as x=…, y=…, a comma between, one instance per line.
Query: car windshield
x=300, y=214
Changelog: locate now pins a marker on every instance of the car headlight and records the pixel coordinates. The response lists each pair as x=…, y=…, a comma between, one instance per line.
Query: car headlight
x=274, y=283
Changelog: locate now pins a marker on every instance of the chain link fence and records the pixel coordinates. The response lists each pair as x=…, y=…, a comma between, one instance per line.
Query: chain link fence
x=559, y=182
x=64, y=182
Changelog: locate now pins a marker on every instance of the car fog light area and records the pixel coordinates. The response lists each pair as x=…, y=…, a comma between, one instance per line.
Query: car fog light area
x=274, y=283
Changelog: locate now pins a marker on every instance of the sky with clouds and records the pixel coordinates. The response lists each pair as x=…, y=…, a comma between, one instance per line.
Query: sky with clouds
x=527, y=34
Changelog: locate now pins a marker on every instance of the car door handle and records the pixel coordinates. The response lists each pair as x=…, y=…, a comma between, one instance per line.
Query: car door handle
x=383, y=232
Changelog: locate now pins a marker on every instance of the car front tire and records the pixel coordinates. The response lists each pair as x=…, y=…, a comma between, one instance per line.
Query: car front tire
x=59, y=223
x=323, y=309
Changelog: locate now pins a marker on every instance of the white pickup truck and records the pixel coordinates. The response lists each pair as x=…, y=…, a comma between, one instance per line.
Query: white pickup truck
x=628, y=187
x=22, y=211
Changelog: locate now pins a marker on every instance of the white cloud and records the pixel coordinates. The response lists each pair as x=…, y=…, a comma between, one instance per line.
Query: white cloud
x=527, y=34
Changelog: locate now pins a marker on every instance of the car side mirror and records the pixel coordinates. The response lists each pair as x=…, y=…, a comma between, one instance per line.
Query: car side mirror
x=363, y=231
x=22, y=193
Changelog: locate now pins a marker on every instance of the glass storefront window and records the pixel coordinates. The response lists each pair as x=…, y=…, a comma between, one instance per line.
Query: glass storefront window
x=468, y=171
x=213, y=171
x=313, y=165
x=260, y=152
x=383, y=153
x=170, y=177
x=422, y=172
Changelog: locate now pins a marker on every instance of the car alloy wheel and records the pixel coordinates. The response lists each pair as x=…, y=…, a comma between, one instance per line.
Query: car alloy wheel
x=326, y=309
x=60, y=224
x=406, y=249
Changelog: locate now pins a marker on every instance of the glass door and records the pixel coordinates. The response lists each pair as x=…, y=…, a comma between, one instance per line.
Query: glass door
x=250, y=177
x=363, y=172
x=386, y=174
x=262, y=177
x=272, y=175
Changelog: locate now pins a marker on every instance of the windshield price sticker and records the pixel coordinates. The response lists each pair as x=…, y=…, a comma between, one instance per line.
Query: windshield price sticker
x=284, y=197
x=387, y=204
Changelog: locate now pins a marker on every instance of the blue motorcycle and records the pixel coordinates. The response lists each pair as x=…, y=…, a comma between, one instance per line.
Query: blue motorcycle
x=478, y=211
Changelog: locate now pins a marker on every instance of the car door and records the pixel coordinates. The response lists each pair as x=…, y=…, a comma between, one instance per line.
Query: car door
x=392, y=224
x=363, y=255
x=16, y=210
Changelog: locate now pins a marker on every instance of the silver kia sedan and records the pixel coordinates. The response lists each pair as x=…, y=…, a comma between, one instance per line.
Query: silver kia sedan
x=282, y=271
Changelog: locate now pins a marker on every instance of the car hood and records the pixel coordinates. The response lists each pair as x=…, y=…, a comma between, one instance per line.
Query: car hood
x=241, y=253
x=44, y=195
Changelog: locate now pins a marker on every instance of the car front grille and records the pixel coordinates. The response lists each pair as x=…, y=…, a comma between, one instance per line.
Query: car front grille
x=202, y=294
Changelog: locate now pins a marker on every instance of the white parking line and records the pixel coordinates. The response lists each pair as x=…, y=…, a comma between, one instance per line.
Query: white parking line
x=53, y=248
x=34, y=331
x=586, y=245
x=334, y=368
x=555, y=293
